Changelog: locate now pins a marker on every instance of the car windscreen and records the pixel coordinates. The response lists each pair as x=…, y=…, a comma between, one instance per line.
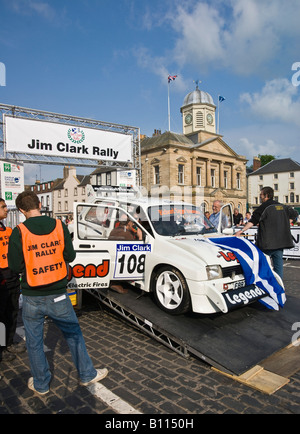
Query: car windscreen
x=171, y=220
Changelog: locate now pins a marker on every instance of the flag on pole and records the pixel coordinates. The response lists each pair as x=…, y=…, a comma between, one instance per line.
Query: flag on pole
x=171, y=78
x=256, y=269
x=220, y=99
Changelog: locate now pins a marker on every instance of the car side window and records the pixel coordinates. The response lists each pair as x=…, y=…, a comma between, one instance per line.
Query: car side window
x=104, y=222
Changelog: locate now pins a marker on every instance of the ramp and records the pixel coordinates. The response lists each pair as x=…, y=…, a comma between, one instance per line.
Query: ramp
x=233, y=343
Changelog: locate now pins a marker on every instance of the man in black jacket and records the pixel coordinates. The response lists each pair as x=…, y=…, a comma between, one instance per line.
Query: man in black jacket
x=274, y=233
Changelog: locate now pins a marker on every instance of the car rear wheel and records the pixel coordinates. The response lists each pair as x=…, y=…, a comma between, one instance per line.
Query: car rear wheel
x=171, y=291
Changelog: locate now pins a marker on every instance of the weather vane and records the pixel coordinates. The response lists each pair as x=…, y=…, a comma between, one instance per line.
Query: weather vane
x=197, y=82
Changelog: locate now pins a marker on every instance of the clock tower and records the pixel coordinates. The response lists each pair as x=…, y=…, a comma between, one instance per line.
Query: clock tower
x=198, y=112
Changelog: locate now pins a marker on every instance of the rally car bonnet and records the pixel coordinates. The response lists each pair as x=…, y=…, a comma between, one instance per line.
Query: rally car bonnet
x=205, y=251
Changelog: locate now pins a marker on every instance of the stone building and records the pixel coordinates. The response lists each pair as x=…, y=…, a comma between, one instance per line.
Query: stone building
x=70, y=189
x=197, y=165
x=283, y=175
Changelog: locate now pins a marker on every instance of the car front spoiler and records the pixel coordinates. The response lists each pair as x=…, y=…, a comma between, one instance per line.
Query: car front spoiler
x=235, y=298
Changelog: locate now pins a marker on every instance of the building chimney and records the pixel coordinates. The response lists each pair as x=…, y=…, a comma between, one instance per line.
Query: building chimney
x=157, y=133
x=256, y=163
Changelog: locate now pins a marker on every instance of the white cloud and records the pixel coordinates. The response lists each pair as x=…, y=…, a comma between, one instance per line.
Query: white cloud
x=245, y=36
x=262, y=146
x=273, y=139
x=278, y=101
x=158, y=66
x=200, y=30
x=27, y=7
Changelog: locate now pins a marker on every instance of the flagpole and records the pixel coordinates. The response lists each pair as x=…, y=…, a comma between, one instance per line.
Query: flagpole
x=170, y=78
x=218, y=128
x=169, y=114
x=220, y=99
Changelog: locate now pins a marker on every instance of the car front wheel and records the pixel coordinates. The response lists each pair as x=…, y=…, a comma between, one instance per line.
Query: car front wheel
x=171, y=291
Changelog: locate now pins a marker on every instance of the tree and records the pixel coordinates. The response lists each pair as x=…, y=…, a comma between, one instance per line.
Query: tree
x=264, y=159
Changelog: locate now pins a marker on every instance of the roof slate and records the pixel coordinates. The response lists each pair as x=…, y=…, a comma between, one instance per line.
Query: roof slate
x=277, y=166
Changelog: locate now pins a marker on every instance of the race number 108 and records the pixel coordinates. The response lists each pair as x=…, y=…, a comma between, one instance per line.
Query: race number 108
x=130, y=265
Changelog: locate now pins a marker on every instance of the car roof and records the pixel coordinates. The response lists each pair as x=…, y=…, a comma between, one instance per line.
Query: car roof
x=143, y=201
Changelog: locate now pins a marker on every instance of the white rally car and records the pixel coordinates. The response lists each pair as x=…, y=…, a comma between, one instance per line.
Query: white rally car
x=168, y=260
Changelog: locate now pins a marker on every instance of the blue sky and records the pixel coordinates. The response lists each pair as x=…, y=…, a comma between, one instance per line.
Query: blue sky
x=110, y=61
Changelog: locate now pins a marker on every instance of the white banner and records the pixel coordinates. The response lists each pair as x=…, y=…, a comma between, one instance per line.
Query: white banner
x=28, y=136
x=287, y=253
x=11, y=182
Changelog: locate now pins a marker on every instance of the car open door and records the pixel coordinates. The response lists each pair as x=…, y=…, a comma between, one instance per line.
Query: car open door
x=225, y=225
x=100, y=257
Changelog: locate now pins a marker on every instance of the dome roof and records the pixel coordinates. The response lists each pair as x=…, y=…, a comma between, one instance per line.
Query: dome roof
x=198, y=97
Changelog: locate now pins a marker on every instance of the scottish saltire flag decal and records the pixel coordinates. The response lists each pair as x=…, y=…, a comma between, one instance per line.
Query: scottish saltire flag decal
x=255, y=267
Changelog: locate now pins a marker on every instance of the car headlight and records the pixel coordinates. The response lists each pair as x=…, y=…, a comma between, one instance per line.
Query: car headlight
x=214, y=272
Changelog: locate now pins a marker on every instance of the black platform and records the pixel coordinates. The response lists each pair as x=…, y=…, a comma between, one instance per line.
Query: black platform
x=233, y=342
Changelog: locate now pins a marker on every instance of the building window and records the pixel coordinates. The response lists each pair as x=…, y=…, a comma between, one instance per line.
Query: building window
x=238, y=181
x=198, y=174
x=261, y=177
x=108, y=178
x=75, y=191
x=59, y=206
x=286, y=199
x=83, y=190
x=213, y=177
x=275, y=175
x=276, y=187
x=292, y=175
x=292, y=185
x=66, y=192
x=59, y=193
x=297, y=198
x=48, y=201
x=66, y=206
x=225, y=179
x=292, y=197
x=156, y=175
x=180, y=174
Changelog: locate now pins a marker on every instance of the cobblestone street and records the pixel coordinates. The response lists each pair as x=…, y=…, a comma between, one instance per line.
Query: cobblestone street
x=144, y=376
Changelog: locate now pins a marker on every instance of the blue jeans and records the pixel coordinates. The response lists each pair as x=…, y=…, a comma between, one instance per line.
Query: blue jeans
x=62, y=313
x=277, y=259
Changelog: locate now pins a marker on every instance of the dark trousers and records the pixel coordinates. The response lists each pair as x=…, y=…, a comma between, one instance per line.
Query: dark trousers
x=9, y=302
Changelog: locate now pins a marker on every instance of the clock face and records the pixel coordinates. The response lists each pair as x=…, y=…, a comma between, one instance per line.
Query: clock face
x=188, y=119
x=209, y=118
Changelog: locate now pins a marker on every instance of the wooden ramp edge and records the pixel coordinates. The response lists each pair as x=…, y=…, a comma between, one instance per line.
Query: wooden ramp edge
x=273, y=373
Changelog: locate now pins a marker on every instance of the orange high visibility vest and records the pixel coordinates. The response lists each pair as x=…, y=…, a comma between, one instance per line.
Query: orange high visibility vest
x=4, y=239
x=43, y=256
